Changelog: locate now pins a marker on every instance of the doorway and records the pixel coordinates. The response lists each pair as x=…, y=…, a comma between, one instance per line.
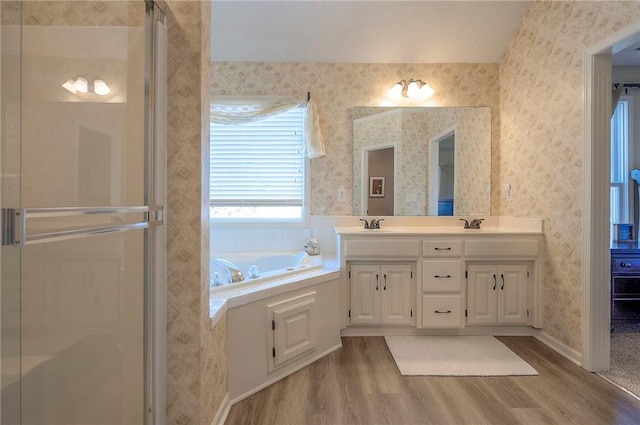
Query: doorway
x=379, y=181
x=442, y=155
x=597, y=236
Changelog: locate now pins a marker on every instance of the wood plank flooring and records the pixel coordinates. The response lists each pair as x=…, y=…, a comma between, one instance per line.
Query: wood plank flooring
x=361, y=385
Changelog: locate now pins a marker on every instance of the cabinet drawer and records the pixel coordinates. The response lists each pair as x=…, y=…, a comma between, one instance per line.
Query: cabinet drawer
x=442, y=248
x=441, y=275
x=625, y=265
x=502, y=247
x=441, y=311
x=381, y=247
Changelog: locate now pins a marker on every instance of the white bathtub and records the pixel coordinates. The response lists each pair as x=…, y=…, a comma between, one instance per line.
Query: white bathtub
x=270, y=265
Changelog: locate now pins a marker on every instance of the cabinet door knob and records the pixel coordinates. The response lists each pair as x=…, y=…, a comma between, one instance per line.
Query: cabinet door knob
x=625, y=264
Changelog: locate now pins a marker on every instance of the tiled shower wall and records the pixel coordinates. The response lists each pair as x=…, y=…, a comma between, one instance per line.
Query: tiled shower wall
x=541, y=146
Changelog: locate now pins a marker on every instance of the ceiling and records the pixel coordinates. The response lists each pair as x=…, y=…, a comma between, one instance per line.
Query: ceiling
x=360, y=31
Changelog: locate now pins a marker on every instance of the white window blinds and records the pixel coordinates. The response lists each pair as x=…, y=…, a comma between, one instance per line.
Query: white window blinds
x=260, y=163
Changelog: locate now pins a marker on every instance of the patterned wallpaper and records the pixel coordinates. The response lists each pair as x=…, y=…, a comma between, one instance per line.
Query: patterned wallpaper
x=540, y=152
x=337, y=88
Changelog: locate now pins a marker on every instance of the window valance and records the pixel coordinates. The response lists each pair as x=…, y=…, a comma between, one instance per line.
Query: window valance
x=246, y=109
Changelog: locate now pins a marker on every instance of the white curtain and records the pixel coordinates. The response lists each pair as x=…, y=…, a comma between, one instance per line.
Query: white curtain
x=246, y=109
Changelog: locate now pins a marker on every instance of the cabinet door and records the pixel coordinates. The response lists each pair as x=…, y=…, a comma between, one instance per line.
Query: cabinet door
x=396, y=295
x=481, y=295
x=512, y=294
x=365, y=293
x=293, y=331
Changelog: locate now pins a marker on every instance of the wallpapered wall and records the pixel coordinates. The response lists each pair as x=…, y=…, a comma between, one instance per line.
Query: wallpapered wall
x=337, y=88
x=542, y=143
x=196, y=354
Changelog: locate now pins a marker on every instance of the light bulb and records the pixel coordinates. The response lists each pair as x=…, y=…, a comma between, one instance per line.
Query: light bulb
x=70, y=85
x=81, y=85
x=396, y=91
x=426, y=91
x=100, y=88
x=412, y=89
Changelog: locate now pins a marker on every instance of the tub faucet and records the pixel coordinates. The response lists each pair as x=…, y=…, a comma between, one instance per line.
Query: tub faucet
x=375, y=224
x=233, y=272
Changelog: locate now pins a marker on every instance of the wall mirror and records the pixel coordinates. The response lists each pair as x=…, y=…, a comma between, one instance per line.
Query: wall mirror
x=421, y=160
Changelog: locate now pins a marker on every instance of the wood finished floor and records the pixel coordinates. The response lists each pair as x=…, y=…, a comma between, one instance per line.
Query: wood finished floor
x=361, y=385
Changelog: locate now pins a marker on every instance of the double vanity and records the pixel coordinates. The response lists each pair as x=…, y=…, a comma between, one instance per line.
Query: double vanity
x=440, y=277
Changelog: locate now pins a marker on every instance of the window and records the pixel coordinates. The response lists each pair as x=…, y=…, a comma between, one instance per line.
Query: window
x=620, y=208
x=258, y=170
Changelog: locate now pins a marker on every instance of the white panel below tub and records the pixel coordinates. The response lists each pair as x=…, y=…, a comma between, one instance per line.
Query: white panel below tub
x=250, y=337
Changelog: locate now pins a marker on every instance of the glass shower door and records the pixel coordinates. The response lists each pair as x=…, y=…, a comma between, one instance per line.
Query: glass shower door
x=83, y=226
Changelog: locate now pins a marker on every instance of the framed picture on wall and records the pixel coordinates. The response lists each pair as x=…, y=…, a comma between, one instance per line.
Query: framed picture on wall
x=376, y=187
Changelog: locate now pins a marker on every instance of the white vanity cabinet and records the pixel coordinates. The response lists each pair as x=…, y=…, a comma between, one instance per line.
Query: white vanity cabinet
x=451, y=272
x=497, y=294
x=381, y=294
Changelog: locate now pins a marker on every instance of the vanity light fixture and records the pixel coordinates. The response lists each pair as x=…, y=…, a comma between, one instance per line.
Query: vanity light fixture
x=83, y=85
x=412, y=89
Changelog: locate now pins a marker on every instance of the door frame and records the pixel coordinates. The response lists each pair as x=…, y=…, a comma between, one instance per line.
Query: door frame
x=364, y=177
x=596, y=296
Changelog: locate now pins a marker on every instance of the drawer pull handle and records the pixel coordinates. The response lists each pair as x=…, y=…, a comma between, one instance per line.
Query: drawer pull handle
x=442, y=312
x=502, y=288
x=494, y=282
x=442, y=249
x=625, y=264
x=442, y=277
x=376, y=282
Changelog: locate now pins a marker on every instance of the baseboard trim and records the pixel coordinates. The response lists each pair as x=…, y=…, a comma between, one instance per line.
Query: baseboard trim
x=289, y=372
x=559, y=347
x=223, y=411
x=406, y=330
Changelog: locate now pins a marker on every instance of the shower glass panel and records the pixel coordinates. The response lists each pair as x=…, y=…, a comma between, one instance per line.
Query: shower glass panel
x=76, y=185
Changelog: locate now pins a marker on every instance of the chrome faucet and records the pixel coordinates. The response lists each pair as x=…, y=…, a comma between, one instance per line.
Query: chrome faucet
x=233, y=272
x=375, y=224
x=366, y=223
x=475, y=223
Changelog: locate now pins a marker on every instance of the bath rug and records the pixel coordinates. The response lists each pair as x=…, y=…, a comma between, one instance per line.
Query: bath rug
x=455, y=356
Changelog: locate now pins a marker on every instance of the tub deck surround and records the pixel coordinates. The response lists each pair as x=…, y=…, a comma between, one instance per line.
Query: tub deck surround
x=431, y=275
x=320, y=269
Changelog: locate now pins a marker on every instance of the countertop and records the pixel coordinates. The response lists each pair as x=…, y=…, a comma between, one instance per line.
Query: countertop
x=433, y=230
x=625, y=247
